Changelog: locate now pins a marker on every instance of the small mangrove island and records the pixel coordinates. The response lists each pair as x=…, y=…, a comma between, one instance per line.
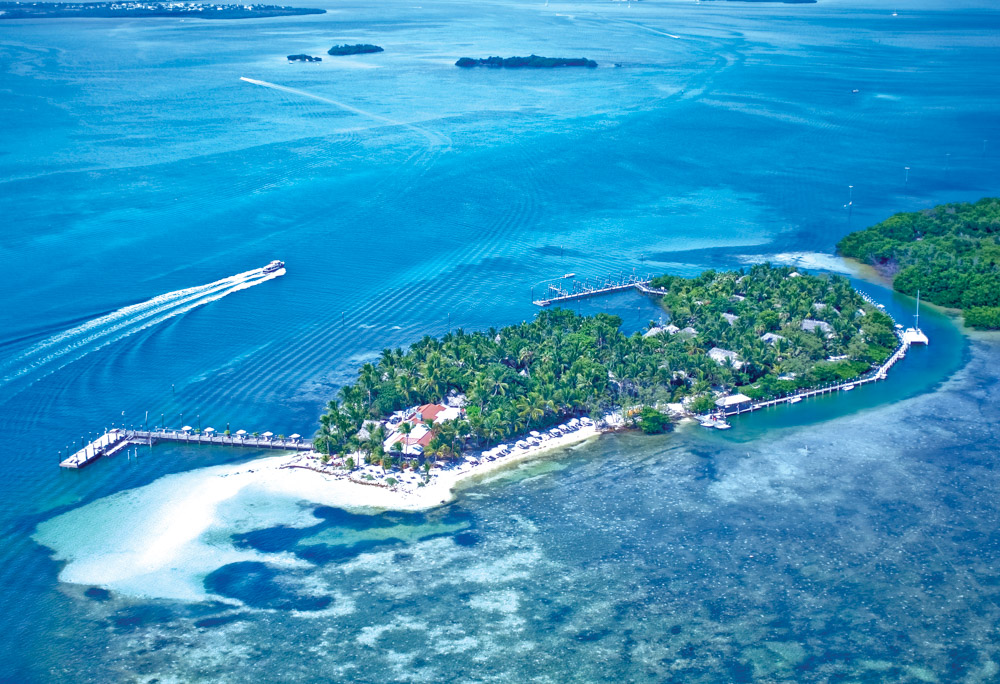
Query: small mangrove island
x=304, y=58
x=531, y=62
x=761, y=332
x=139, y=10
x=950, y=253
x=359, y=49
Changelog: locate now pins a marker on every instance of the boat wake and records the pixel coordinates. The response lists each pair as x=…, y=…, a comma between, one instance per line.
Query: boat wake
x=61, y=349
x=434, y=138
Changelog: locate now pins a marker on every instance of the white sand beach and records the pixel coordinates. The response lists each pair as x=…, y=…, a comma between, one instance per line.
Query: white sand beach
x=332, y=485
x=161, y=539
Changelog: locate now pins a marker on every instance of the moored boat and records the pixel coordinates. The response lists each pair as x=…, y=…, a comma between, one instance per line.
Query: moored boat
x=274, y=266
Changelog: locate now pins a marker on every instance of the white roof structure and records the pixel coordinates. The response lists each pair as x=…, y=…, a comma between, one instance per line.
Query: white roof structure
x=450, y=413
x=722, y=356
x=771, y=338
x=730, y=318
x=809, y=325
x=732, y=400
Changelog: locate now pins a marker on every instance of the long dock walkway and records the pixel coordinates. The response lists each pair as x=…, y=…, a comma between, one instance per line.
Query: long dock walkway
x=879, y=373
x=583, y=290
x=113, y=441
x=873, y=376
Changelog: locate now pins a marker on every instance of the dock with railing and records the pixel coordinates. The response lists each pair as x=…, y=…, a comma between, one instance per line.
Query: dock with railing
x=874, y=375
x=584, y=289
x=116, y=440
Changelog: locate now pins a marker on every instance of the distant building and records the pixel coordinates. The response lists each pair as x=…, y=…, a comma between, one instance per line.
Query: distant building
x=724, y=356
x=730, y=318
x=771, y=338
x=808, y=324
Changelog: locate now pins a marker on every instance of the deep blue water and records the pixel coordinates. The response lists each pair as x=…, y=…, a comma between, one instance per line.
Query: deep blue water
x=851, y=537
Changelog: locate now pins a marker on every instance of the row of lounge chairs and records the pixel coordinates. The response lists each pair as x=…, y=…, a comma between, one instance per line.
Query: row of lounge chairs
x=534, y=438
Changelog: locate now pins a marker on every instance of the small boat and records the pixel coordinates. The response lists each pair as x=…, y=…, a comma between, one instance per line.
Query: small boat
x=569, y=275
x=708, y=423
x=915, y=335
x=848, y=388
x=274, y=266
x=855, y=91
x=794, y=400
x=722, y=425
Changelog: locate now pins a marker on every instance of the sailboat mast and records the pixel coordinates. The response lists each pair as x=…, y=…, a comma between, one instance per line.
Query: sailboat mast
x=916, y=321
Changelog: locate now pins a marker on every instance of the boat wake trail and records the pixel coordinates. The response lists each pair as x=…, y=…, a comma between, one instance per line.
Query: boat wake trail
x=435, y=139
x=54, y=352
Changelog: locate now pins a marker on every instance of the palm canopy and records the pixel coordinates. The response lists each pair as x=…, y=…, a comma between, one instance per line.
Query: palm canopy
x=538, y=373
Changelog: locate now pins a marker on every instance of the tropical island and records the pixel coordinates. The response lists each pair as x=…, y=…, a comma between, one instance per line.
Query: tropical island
x=359, y=49
x=761, y=332
x=531, y=62
x=139, y=10
x=304, y=58
x=949, y=253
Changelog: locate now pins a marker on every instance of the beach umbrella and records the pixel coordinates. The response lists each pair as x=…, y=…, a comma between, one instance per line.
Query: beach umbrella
x=241, y=432
x=209, y=429
x=186, y=428
x=295, y=436
x=268, y=434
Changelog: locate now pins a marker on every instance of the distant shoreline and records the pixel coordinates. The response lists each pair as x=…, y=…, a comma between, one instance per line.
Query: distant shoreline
x=146, y=10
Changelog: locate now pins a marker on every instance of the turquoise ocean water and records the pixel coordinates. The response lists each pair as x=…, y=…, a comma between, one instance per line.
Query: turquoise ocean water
x=847, y=538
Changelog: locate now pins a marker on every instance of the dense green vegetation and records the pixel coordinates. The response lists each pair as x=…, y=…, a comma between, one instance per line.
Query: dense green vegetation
x=654, y=422
x=359, y=49
x=950, y=253
x=532, y=61
x=538, y=373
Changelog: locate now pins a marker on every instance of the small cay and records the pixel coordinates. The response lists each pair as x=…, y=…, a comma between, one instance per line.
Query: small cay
x=359, y=49
x=531, y=62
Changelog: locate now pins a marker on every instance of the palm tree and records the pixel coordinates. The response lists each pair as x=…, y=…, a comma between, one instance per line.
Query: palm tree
x=406, y=428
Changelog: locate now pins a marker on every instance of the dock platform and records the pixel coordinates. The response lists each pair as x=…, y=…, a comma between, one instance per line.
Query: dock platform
x=113, y=441
x=583, y=290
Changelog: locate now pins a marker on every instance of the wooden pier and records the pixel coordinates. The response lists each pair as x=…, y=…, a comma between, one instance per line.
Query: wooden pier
x=879, y=373
x=873, y=376
x=581, y=290
x=113, y=441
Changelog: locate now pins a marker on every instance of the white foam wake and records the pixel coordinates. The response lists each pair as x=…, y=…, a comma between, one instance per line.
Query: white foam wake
x=56, y=351
x=434, y=138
